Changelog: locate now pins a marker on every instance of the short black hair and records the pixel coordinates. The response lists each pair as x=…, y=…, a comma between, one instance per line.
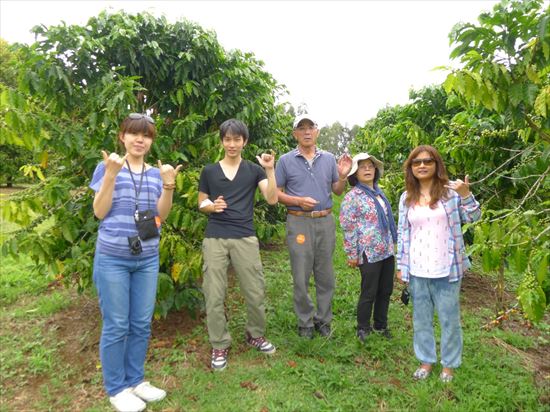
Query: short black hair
x=235, y=127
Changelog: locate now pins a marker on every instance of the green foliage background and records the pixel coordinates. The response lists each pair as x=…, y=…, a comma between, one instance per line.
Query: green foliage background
x=489, y=119
x=75, y=85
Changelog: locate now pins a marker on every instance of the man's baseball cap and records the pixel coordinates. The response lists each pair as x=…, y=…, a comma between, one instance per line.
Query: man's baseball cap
x=301, y=117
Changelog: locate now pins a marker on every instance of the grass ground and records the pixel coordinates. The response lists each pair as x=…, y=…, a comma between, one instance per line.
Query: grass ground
x=49, y=354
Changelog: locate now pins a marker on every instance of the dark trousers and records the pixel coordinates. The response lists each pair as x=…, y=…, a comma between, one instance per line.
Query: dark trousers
x=376, y=289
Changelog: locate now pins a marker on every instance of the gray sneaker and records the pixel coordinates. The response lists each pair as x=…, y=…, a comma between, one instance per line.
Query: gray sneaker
x=305, y=332
x=323, y=329
x=362, y=334
x=384, y=332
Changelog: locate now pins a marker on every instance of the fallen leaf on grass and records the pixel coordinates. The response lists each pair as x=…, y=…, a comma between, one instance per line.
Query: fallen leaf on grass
x=160, y=343
x=319, y=395
x=249, y=385
x=292, y=364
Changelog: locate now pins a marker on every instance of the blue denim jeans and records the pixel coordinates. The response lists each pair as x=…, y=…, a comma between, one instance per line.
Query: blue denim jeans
x=442, y=295
x=127, y=289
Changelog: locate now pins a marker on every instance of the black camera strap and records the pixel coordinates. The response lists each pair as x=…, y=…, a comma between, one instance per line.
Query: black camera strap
x=136, y=189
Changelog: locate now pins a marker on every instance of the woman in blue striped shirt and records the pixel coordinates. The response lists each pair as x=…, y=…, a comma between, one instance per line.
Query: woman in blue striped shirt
x=431, y=255
x=131, y=199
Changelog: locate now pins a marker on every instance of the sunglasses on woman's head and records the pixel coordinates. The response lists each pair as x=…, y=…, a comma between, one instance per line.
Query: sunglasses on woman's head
x=427, y=162
x=139, y=116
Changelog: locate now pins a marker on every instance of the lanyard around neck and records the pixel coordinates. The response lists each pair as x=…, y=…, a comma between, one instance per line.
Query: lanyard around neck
x=136, y=189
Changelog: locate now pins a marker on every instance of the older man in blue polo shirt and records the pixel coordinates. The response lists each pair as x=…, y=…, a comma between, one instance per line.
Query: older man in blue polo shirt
x=306, y=178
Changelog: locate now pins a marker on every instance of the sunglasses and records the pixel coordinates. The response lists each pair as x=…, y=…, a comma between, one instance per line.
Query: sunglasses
x=427, y=162
x=139, y=116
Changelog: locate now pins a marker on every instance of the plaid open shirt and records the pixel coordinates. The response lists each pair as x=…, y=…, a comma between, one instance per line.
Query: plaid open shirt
x=458, y=211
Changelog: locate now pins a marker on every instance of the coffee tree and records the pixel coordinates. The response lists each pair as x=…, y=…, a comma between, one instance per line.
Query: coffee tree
x=491, y=120
x=77, y=83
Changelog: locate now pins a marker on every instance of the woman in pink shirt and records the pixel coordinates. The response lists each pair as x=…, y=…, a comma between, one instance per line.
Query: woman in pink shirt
x=431, y=255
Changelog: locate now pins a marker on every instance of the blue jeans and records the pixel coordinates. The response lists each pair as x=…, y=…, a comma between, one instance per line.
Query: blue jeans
x=442, y=295
x=127, y=289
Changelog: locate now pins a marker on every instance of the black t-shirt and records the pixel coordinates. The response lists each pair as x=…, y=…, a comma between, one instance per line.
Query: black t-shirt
x=236, y=220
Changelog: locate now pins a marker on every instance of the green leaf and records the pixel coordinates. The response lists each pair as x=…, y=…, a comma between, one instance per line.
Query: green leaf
x=518, y=260
x=533, y=302
x=542, y=270
x=516, y=94
x=542, y=102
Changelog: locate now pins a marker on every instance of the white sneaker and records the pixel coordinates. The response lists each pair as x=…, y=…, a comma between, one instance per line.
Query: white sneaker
x=148, y=392
x=126, y=401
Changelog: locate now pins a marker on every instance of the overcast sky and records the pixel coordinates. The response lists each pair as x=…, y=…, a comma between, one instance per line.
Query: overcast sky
x=344, y=59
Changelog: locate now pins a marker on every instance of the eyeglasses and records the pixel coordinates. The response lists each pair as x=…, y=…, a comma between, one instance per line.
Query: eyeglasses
x=306, y=128
x=427, y=162
x=366, y=166
x=139, y=116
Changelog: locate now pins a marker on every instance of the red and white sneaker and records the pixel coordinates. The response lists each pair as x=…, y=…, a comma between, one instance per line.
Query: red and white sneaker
x=260, y=343
x=219, y=359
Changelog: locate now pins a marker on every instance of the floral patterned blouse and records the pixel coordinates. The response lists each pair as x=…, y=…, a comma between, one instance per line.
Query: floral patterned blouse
x=362, y=233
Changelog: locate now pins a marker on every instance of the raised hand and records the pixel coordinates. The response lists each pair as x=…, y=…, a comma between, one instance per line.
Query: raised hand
x=113, y=162
x=344, y=165
x=219, y=204
x=267, y=161
x=168, y=173
x=460, y=187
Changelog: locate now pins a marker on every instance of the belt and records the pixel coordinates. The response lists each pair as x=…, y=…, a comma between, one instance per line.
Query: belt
x=313, y=214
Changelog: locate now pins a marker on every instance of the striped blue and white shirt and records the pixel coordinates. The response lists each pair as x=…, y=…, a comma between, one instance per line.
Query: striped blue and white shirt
x=458, y=211
x=119, y=224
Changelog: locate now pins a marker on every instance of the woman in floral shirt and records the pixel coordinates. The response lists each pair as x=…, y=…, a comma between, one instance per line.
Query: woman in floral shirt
x=369, y=237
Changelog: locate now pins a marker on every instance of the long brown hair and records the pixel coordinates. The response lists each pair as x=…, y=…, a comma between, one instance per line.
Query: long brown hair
x=439, y=180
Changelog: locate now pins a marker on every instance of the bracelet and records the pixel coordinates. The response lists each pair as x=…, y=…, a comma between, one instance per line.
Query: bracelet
x=168, y=186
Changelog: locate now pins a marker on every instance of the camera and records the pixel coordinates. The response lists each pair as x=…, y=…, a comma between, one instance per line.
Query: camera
x=135, y=245
x=405, y=296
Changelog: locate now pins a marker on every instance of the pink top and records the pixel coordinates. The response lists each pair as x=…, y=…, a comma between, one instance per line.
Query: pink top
x=429, y=253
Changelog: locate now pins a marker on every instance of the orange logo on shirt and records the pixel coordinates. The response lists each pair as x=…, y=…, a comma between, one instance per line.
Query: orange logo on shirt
x=300, y=239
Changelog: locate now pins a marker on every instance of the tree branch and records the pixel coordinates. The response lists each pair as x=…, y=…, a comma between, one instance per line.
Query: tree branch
x=545, y=136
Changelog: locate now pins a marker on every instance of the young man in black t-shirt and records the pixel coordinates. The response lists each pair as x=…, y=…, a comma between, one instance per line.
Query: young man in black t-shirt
x=226, y=194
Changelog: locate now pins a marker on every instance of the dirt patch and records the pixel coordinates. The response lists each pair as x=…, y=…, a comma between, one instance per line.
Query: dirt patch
x=77, y=330
x=479, y=292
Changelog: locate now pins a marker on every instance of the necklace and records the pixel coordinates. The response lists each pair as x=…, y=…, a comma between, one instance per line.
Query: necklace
x=425, y=199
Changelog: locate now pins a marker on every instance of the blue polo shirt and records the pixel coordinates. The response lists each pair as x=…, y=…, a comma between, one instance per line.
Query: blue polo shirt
x=294, y=174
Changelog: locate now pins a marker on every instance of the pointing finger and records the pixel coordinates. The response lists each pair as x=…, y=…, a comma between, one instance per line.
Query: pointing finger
x=178, y=168
x=159, y=163
x=124, y=158
x=467, y=179
x=105, y=155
